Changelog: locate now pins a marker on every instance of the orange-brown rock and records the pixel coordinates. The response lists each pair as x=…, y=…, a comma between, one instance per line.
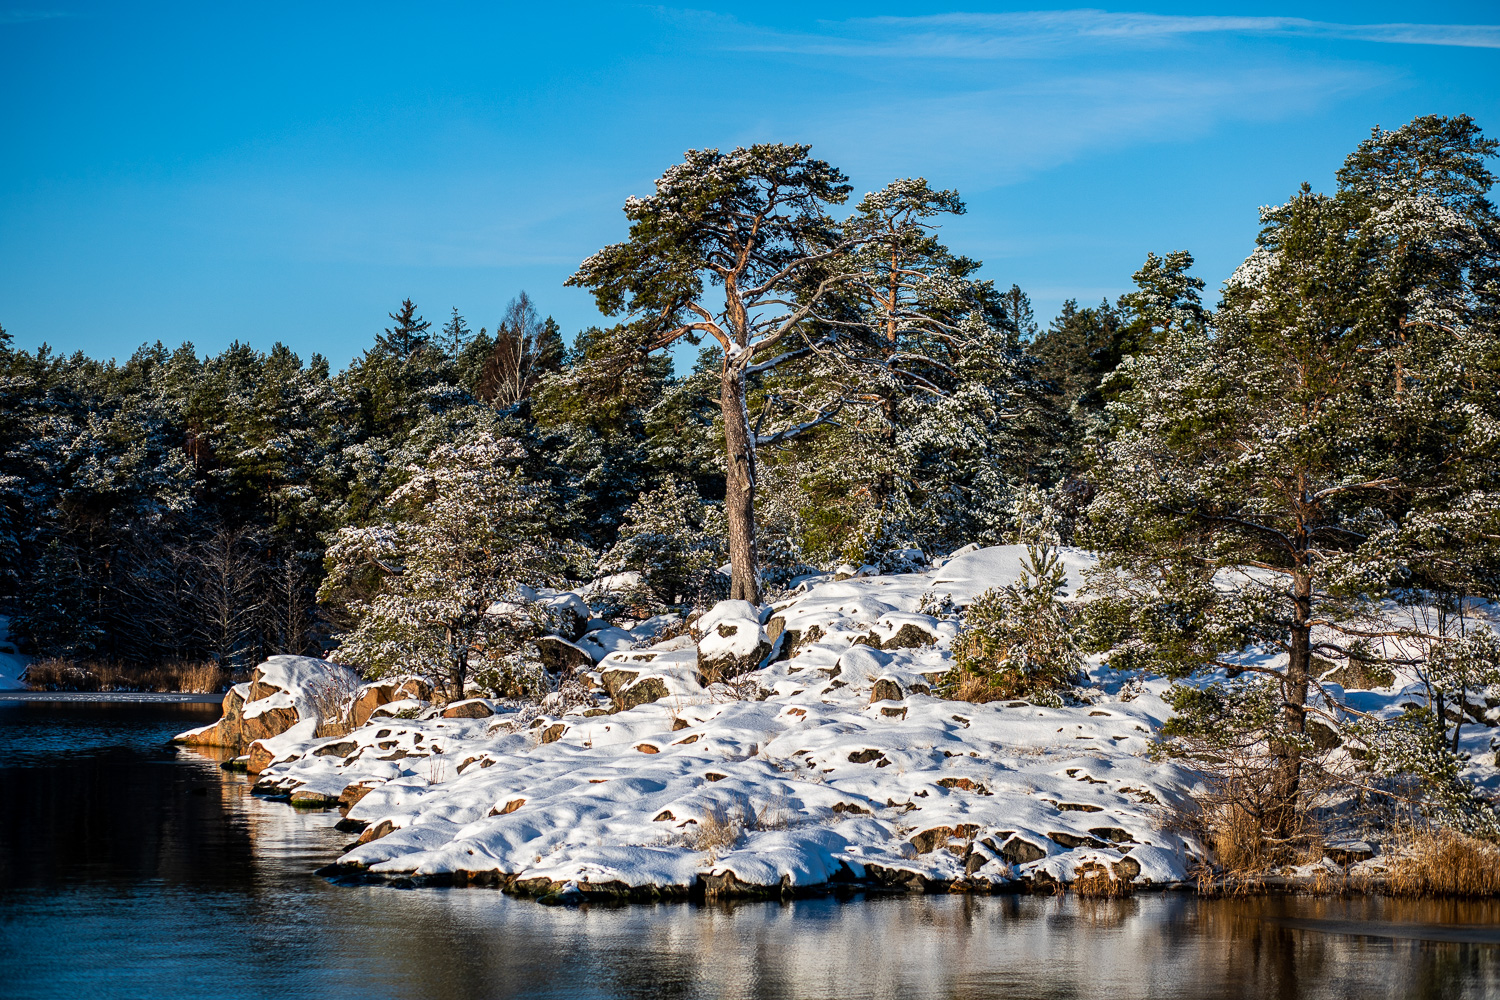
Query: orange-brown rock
x=558, y=653
x=414, y=688
x=225, y=732
x=260, y=689
x=382, y=829
x=260, y=758
x=269, y=723
x=266, y=706
x=474, y=708
x=351, y=794
x=371, y=697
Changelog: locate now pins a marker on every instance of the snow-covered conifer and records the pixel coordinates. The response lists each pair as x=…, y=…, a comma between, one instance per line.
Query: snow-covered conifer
x=439, y=585
x=1259, y=476
x=669, y=537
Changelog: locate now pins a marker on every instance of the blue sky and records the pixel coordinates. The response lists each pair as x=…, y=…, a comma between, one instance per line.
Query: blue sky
x=267, y=172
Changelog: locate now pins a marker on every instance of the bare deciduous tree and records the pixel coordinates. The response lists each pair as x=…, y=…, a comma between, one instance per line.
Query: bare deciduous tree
x=228, y=594
x=526, y=348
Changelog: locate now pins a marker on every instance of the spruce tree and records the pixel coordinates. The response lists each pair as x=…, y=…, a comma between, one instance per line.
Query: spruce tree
x=409, y=335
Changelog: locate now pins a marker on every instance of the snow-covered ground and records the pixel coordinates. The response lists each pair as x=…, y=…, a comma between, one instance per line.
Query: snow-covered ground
x=832, y=763
x=12, y=663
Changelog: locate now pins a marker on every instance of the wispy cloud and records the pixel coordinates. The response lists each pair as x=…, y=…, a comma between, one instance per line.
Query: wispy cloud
x=27, y=16
x=1039, y=34
x=981, y=138
x=942, y=93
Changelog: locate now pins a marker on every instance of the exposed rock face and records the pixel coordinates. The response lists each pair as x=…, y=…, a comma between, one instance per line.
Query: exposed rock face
x=909, y=636
x=792, y=640
x=313, y=800
x=928, y=841
x=558, y=653
x=646, y=690
x=1019, y=852
x=373, y=696
x=617, y=680
x=283, y=692
x=1324, y=736
x=370, y=697
x=352, y=793
x=261, y=757
x=228, y=731
x=890, y=688
x=474, y=708
x=630, y=687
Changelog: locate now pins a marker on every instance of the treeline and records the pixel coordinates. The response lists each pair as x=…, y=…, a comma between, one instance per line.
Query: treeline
x=179, y=507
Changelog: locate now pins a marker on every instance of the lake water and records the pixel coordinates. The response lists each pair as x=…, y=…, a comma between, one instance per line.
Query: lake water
x=132, y=869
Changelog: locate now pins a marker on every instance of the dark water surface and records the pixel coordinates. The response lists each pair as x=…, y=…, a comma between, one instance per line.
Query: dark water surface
x=131, y=869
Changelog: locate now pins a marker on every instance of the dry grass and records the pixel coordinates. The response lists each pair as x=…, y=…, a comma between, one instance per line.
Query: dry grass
x=1096, y=881
x=1243, y=815
x=103, y=675
x=720, y=828
x=333, y=700
x=1238, y=840
x=1445, y=863
x=977, y=689
x=1243, y=849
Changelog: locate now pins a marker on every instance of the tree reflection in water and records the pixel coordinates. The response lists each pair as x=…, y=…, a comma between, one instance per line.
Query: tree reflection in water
x=131, y=869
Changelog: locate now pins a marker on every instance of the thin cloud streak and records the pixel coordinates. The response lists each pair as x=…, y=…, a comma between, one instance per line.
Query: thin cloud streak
x=30, y=16
x=1041, y=34
x=996, y=136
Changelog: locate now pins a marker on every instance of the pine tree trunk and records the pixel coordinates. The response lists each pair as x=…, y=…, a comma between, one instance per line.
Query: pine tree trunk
x=884, y=487
x=458, y=664
x=739, y=489
x=1294, y=687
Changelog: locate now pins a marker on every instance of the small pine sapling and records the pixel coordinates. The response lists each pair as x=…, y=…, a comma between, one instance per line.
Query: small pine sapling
x=1020, y=641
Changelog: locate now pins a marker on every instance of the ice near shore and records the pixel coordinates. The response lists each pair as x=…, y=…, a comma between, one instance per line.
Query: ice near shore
x=833, y=762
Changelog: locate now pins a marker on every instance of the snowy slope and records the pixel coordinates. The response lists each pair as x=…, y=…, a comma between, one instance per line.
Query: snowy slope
x=805, y=778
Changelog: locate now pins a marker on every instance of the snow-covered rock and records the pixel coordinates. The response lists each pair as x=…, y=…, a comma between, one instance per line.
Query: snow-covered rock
x=372, y=696
x=285, y=697
x=730, y=639
x=601, y=642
